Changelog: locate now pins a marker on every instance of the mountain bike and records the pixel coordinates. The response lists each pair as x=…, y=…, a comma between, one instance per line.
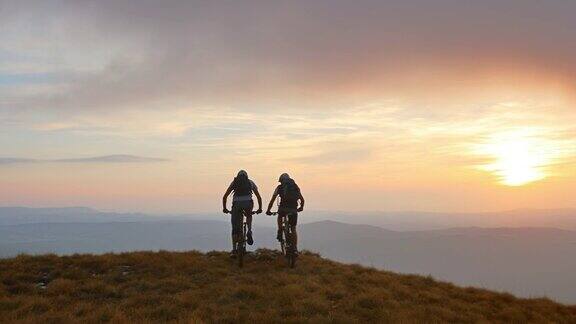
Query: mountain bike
x=287, y=242
x=241, y=244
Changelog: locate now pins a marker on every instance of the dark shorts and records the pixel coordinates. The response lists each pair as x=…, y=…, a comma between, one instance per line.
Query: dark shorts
x=292, y=214
x=238, y=207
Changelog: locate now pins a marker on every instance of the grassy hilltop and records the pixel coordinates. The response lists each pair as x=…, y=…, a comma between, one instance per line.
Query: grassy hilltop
x=193, y=287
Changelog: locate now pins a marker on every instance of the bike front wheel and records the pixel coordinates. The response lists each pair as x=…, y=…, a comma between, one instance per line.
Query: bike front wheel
x=292, y=261
x=241, y=257
x=290, y=250
x=242, y=248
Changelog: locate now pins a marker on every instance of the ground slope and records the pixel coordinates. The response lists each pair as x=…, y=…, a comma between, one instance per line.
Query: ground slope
x=194, y=287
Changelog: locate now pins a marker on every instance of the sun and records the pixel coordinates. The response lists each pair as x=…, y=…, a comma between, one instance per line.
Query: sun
x=518, y=157
x=516, y=163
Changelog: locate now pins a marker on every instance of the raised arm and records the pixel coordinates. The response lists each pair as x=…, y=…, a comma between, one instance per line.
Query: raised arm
x=225, y=199
x=269, y=210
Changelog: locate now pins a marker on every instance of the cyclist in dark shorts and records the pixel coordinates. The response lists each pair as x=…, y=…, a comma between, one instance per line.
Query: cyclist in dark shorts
x=290, y=194
x=242, y=202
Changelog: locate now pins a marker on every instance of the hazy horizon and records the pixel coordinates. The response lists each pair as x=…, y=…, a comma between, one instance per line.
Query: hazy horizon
x=562, y=219
x=217, y=211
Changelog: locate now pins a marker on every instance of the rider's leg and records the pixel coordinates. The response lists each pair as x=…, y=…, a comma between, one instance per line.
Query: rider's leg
x=236, y=218
x=249, y=238
x=249, y=206
x=294, y=237
x=279, y=222
x=234, y=241
x=249, y=222
x=279, y=232
x=293, y=219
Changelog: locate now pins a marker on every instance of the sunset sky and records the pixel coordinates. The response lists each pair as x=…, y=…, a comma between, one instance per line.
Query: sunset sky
x=430, y=105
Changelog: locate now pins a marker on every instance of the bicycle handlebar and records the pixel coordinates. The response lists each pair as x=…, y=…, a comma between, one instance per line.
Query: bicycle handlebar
x=251, y=213
x=276, y=213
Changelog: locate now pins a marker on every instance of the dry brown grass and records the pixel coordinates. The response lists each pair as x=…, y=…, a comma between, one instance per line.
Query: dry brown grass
x=193, y=287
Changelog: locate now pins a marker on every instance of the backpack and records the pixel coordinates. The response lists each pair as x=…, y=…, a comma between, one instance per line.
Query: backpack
x=242, y=186
x=289, y=191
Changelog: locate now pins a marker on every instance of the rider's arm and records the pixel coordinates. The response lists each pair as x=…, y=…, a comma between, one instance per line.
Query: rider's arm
x=259, y=199
x=301, y=203
x=225, y=198
x=272, y=200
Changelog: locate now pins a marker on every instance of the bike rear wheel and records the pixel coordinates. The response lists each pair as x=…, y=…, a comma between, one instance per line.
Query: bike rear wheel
x=283, y=238
x=292, y=260
x=290, y=248
x=242, y=246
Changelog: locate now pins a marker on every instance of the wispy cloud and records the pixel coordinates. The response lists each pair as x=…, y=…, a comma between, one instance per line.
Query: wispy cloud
x=117, y=158
x=9, y=160
x=336, y=156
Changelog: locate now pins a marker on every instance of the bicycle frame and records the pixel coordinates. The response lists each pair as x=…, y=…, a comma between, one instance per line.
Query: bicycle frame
x=287, y=243
x=241, y=243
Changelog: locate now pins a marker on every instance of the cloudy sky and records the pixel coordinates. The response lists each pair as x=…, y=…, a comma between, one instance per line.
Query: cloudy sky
x=443, y=105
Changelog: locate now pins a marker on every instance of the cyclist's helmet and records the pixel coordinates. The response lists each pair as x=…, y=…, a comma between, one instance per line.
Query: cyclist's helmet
x=283, y=177
x=242, y=173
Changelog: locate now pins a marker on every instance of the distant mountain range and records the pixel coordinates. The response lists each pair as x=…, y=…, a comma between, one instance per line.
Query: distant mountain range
x=528, y=261
x=399, y=221
x=525, y=261
x=413, y=221
x=114, y=158
x=25, y=215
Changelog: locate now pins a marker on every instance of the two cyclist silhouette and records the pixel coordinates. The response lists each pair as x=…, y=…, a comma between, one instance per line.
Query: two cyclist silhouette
x=291, y=202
